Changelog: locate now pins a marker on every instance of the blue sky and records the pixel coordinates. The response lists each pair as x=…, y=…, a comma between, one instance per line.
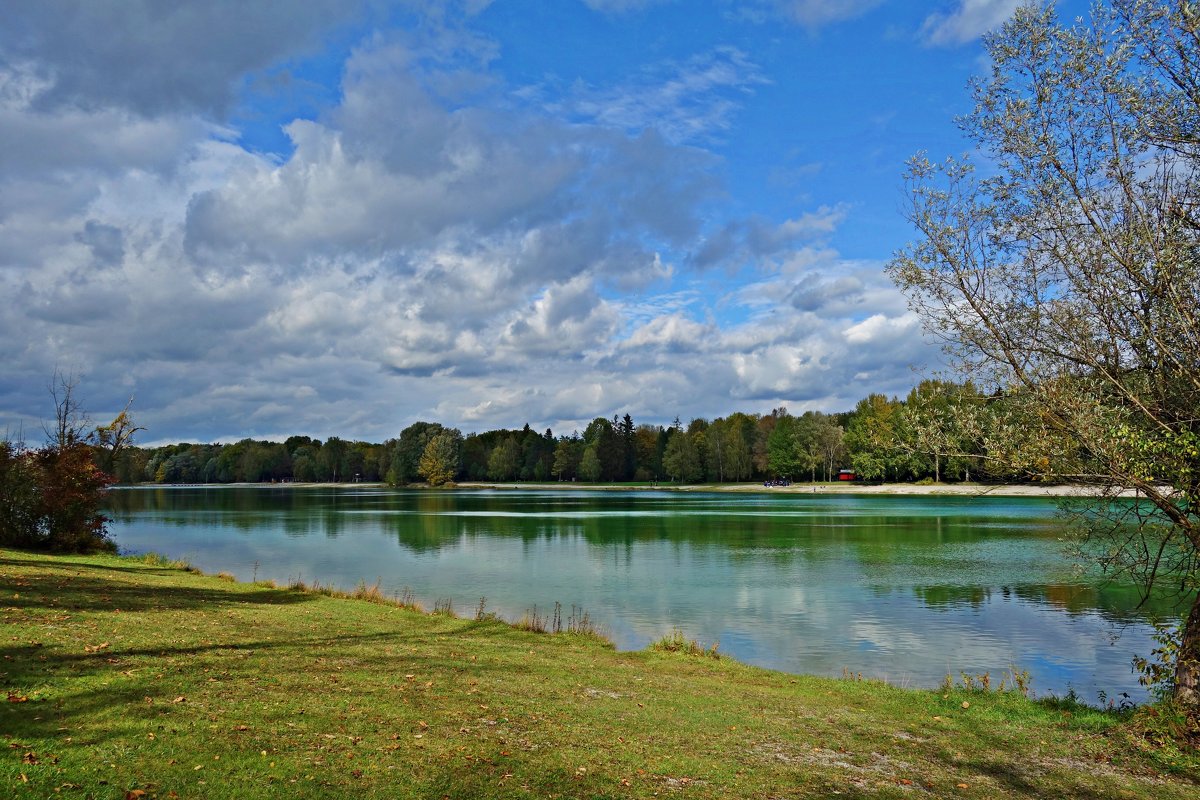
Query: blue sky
x=345, y=217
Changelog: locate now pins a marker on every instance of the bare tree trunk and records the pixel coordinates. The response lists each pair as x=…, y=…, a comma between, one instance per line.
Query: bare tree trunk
x=70, y=422
x=1187, y=659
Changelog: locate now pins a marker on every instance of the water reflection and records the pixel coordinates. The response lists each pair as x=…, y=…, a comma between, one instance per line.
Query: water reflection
x=902, y=587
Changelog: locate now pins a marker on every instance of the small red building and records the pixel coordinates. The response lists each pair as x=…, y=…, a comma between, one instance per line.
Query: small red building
x=847, y=475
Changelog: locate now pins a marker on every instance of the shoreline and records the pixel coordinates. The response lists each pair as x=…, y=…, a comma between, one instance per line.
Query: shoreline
x=896, y=489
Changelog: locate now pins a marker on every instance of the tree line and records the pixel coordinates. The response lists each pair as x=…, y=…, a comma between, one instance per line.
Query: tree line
x=942, y=431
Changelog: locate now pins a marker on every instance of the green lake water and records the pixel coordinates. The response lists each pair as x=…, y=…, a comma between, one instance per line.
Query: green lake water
x=903, y=588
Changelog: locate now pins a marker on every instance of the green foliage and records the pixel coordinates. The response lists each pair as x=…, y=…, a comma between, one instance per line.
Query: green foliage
x=1157, y=673
x=568, y=454
x=440, y=462
x=872, y=439
x=677, y=642
x=504, y=464
x=681, y=458
x=783, y=452
x=590, y=468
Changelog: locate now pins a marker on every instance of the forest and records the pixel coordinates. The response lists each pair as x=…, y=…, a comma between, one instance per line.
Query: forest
x=941, y=431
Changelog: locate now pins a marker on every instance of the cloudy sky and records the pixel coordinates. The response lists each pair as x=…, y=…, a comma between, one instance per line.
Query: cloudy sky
x=261, y=218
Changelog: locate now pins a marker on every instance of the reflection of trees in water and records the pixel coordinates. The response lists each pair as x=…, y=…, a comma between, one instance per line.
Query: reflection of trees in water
x=945, y=598
x=243, y=508
x=743, y=537
x=440, y=519
x=1115, y=602
x=430, y=520
x=428, y=530
x=882, y=541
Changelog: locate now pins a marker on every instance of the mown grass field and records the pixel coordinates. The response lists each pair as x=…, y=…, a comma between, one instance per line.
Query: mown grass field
x=129, y=679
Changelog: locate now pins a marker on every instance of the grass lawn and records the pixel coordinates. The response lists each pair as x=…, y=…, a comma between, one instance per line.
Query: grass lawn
x=129, y=679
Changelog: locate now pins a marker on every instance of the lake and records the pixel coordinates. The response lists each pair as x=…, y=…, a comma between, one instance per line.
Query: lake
x=903, y=588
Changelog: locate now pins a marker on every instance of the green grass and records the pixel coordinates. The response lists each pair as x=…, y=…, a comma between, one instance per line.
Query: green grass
x=126, y=676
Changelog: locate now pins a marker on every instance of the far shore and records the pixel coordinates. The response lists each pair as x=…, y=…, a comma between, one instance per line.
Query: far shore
x=847, y=487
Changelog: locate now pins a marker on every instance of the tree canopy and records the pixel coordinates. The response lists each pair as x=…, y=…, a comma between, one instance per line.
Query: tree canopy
x=1064, y=275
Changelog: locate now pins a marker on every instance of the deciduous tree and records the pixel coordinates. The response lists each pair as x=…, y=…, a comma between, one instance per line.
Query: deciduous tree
x=439, y=463
x=51, y=497
x=1068, y=273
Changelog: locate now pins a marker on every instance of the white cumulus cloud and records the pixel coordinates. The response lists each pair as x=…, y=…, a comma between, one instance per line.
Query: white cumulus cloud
x=969, y=20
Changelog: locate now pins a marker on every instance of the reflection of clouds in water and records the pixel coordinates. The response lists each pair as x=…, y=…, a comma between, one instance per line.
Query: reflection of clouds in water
x=824, y=629
x=885, y=637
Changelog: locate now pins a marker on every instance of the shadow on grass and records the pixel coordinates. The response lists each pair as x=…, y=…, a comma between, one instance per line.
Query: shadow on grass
x=137, y=684
x=84, y=587
x=60, y=562
x=1024, y=772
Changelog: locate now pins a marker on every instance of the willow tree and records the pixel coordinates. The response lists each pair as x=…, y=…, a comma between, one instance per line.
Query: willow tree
x=1066, y=271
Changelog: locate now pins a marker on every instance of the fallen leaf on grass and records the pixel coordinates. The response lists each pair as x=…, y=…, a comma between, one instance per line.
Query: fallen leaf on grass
x=135, y=794
x=963, y=786
x=30, y=758
x=17, y=698
x=89, y=648
x=180, y=699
